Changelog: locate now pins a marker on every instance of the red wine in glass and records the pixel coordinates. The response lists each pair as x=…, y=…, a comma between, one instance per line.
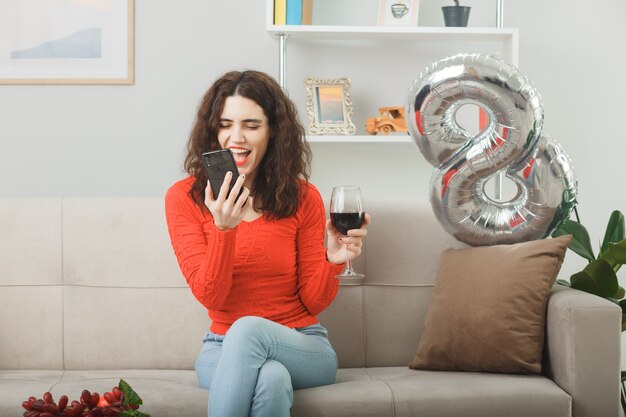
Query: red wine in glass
x=346, y=221
x=346, y=213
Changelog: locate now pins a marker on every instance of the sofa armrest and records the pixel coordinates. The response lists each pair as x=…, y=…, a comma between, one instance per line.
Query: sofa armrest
x=583, y=334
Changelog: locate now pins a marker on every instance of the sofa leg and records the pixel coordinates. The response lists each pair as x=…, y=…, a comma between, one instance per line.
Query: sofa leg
x=623, y=392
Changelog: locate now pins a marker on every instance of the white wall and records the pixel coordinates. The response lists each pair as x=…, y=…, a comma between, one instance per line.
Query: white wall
x=129, y=140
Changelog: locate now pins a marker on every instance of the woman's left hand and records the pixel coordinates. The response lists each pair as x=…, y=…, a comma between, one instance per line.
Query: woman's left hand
x=336, y=242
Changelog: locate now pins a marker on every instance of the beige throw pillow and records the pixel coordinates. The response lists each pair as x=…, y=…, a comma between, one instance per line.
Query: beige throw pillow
x=488, y=308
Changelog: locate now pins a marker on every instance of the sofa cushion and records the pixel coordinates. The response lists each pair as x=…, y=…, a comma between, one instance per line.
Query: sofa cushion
x=32, y=331
x=400, y=391
x=17, y=386
x=344, y=321
x=32, y=242
x=165, y=393
x=488, y=309
x=473, y=394
x=355, y=393
x=155, y=328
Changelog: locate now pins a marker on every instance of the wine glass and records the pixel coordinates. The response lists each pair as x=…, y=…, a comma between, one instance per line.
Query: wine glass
x=346, y=213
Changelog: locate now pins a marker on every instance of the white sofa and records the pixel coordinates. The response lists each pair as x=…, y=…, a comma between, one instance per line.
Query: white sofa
x=91, y=293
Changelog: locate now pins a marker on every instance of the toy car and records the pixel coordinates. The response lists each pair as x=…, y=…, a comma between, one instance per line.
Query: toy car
x=390, y=119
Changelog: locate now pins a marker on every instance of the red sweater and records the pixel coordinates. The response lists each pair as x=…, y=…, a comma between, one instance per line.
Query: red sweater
x=276, y=269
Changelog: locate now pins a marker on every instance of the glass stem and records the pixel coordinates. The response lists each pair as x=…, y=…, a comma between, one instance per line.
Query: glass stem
x=349, y=261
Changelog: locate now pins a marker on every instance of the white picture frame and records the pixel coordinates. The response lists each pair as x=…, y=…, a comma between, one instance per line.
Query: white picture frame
x=67, y=42
x=329, y=106
x=398, y=12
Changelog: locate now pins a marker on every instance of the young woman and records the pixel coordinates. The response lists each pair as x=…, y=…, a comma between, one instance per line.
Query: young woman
x=257, y=261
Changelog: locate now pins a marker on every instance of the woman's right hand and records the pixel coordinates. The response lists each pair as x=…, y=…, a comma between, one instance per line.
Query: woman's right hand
x=227, y=212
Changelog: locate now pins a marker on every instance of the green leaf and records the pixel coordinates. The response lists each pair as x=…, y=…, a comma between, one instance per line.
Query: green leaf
x=622, y=304
x=130, y=396
x=133, y=413
x=614, y=230
x=563, y=282
x=597, y=278
x=615, y=254
x=581, y=244
x=620, y=293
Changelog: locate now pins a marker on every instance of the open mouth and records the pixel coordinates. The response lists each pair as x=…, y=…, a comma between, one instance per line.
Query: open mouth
x=241, y=155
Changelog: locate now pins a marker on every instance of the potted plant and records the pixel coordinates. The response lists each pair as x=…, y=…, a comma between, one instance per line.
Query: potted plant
x=456, y=15
x=599, y=276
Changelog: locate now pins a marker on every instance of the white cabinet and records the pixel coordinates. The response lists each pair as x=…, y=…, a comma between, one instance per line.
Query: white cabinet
x=381, y=61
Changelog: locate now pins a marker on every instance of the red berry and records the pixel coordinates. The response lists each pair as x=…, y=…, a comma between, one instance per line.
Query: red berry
x=27, y=405
x=85, y=397
x=47, y=397
x=110, y=397
x=37, y=405
x=95, y=398
x=103, y=402
x=63, y=402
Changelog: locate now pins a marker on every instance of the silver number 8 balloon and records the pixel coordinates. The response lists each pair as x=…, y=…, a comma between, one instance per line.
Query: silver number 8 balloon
x=512, y=142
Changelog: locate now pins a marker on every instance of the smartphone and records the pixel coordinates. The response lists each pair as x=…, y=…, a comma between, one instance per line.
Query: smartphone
x=216, y=165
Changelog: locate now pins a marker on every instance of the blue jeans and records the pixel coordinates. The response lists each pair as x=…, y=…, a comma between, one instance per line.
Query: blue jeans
x=253, y=370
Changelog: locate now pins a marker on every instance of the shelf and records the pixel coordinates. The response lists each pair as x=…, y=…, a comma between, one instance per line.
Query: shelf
x=422, y=34
x=392, y=32
x=500, y=41
x=359, y=139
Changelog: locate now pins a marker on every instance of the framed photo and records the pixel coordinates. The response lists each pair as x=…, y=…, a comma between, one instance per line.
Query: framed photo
x=398, y=12
x=66, y=42
x=329, y=106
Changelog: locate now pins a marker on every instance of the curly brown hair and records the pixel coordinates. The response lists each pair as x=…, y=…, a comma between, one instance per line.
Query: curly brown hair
x=287, y=160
